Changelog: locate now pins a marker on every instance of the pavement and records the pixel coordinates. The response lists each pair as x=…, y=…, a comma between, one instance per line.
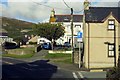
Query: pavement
x=37, y=56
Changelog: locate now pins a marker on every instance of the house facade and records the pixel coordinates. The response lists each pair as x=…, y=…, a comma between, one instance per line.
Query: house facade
x=101, y=36
x=65, y=20
x=4, y=36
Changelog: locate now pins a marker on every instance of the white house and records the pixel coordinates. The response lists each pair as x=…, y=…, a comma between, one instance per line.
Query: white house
x=65, y=20
x=4, y=36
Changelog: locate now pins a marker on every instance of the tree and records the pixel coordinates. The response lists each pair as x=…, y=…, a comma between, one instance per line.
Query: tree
x=48, y=30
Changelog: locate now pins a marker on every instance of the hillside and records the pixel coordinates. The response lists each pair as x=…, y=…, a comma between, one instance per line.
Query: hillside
x=14, y=27
x=16, y=23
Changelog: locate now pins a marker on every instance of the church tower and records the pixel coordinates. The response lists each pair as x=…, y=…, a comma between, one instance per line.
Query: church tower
x=52, y=16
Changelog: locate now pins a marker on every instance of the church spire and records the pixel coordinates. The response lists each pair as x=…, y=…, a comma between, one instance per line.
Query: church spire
x=52, y=13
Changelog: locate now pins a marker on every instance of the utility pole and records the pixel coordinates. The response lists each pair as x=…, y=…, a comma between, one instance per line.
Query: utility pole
x=72, y=47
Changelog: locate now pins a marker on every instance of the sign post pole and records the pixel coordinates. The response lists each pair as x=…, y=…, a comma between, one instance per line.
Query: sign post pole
x=79, y=56
x=79, y=36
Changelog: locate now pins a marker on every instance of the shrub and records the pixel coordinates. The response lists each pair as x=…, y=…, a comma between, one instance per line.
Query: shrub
x=32, y=43
x=113, y=74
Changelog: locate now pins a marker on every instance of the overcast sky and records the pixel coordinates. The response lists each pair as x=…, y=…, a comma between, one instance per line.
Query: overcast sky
x=40, y=10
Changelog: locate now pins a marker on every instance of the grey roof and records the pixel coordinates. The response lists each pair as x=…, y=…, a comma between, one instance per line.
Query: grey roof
x=67, y=18
x=98, y=14
x=3, y=32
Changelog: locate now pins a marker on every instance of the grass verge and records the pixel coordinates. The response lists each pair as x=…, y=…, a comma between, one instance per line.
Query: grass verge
x=29, y=55
x=59, y=57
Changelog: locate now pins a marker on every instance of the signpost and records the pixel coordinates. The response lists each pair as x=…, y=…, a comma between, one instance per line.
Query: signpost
x=79, y=39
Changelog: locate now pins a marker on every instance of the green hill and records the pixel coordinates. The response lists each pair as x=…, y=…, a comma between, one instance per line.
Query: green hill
x=16, y=28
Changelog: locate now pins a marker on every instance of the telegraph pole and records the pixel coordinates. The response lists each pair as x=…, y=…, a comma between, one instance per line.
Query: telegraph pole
x=72, y=47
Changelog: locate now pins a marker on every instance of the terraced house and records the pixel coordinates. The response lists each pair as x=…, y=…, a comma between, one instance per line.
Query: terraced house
x=101, y=36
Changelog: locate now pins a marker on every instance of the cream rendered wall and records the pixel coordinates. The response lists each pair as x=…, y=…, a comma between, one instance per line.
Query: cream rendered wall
x=98, y=50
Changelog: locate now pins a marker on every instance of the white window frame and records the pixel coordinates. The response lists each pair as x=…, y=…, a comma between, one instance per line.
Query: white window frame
x=111, y=24
x=110, y=50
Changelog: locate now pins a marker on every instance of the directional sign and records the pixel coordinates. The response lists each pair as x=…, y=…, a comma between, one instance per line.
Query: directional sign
x=79, y=36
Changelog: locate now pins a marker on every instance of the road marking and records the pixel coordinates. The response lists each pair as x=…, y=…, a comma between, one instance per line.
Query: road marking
x=25, y=68
x=75, y=76
x=7, y=62
x=32, y=65
x=80, y=74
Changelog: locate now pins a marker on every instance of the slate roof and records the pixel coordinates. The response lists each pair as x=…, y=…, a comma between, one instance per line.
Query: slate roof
x=98, y=14
x=67, y=18
x=3, y=32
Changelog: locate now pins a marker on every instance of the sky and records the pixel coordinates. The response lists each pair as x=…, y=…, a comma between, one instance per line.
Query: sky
x=40, y=10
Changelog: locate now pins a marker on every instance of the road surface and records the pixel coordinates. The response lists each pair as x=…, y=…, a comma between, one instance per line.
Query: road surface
x=13, y=69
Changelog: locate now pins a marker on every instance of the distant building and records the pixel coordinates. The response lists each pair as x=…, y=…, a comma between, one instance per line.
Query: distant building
x=4, y=36
x=101, y=36
x=65, y=20
x=42, y=40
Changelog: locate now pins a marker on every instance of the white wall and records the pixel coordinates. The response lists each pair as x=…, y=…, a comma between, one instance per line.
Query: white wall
x=77, y=26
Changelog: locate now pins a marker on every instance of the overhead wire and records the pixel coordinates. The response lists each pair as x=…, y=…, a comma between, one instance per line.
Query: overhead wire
x=66, y=4
x=50, y=6
x=73, y=9
x=60, y=8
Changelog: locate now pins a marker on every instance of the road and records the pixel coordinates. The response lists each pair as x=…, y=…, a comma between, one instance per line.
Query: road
x=13, y=69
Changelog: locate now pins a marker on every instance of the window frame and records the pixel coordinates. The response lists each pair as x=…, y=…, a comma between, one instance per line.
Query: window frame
x=78, y=25
x=109, y=50
x=111, y=24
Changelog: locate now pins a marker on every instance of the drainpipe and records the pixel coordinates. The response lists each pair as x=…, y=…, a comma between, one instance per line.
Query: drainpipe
x=114, y=46
x=88, y=46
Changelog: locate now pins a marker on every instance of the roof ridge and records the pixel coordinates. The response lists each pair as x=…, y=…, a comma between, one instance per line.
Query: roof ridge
x=104, y=7
x=68, y=15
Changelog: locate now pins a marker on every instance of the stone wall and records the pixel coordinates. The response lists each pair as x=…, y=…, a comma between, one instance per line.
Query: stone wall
x=18, y=52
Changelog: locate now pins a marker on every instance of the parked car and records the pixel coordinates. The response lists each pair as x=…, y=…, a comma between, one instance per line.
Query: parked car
x=67, y=44
x=46, y=46
x=10, y=45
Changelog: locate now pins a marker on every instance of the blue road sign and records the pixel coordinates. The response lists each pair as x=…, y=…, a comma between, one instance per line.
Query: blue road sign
x=79, y=34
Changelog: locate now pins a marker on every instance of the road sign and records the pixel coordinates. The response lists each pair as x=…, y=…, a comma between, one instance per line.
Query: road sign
x=79, y=36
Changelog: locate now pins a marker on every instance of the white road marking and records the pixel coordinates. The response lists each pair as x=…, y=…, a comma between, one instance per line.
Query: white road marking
x=32, y=65
x=25, y=68
x=80, y=74
x=75, y=76
x=7, y=62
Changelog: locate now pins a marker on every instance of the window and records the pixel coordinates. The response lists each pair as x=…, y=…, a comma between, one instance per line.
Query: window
x=78, y=26
x=110, y=50
x=111, y=24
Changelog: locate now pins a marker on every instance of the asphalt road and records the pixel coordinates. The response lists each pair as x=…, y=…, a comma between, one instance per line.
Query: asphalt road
x=13, y=69
x=37, y=70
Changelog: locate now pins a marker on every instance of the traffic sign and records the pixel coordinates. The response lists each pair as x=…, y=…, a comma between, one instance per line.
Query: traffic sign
x=79, y=36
